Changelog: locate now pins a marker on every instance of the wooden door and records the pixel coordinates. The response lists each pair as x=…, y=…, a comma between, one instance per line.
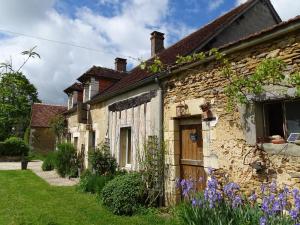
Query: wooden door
x=191, y=157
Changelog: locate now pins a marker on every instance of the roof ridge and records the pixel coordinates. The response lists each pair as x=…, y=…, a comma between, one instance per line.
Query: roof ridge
x=102, y=67
x=211, y=22
x=195, y=31
x=48, y=104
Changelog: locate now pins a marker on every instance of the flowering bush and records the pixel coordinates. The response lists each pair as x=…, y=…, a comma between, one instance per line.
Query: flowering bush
x=225, y=204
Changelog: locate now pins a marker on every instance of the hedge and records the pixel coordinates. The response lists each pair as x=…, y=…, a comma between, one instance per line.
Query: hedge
x=13, y=146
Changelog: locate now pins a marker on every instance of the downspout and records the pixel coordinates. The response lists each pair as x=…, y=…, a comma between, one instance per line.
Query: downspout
x=160, y=134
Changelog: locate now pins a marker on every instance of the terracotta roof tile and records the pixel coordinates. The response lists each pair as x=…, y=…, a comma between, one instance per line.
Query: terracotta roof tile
x=102, y=72
x=74, y=87
x=41, y=114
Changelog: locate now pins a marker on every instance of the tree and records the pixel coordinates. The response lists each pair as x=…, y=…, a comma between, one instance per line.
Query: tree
x=57, y=125
x=17, y=95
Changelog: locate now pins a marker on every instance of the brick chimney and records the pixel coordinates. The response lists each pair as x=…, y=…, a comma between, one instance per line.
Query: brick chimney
x=120, y=64
x=157, y=42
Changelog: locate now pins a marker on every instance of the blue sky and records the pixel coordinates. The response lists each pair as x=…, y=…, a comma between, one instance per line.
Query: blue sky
x=112, y=28
x=192, y=13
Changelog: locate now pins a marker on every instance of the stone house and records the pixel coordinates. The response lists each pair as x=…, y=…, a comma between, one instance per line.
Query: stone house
x=124, y=108
x=234, y=143
x=42, y=139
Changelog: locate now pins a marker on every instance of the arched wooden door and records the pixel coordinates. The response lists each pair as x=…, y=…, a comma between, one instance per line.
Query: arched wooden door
x=191, y=154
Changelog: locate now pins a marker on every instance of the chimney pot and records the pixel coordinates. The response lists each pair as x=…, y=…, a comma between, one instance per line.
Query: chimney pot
x=120, y=64
x=157, y=42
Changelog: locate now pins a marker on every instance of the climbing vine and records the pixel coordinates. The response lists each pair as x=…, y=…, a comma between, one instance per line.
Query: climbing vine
x=270, y=72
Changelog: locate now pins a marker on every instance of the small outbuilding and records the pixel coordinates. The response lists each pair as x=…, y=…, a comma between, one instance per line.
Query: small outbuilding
x=42, y=138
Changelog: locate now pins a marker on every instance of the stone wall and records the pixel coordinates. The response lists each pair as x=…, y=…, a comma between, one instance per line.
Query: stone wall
x=224, y=142
x=42, y=140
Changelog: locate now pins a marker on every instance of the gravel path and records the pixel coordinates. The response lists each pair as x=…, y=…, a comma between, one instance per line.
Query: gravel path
x=36, y=166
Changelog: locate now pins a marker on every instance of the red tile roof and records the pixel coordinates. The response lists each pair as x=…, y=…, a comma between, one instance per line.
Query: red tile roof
x=102, y=72
x=41, y=114
x=185, y=46
x=74, y=87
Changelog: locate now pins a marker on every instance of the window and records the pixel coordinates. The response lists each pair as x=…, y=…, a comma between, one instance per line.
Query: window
x=125, y=146
x=93, y=139
x=277, y=118
x=70, y=101
x=76, y=142
x=69, y=137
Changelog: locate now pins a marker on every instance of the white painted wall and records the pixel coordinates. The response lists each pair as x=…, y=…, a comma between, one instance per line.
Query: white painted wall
x=142, y=119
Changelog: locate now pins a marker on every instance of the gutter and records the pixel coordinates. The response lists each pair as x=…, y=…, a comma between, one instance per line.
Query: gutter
x=239, y=47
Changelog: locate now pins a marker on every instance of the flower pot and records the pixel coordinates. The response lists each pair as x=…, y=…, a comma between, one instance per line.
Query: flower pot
x=24, y=164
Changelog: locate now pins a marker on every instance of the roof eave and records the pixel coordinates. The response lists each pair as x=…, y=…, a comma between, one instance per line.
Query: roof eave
x=240, y=45
x=141, y=83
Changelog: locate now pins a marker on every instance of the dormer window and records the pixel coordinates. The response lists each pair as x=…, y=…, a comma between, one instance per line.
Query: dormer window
x=74, y=93
x=70, y=101
x=91, y=88
x=86, y=92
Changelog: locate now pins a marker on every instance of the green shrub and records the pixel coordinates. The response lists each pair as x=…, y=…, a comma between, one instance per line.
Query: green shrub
x=27, y=135
x=66, y=160
x=124, y=195
x=14, y=146
x=2, y=149
x=102, y=162
x=92, y=183
x=49, y=162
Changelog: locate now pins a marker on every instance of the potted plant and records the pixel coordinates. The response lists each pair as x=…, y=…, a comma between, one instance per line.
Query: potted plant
x=24, y=162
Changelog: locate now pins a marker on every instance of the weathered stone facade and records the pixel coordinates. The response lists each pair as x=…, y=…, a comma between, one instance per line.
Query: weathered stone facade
x=225, y=143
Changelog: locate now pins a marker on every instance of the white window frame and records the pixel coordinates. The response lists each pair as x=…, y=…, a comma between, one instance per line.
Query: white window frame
x=127, y=165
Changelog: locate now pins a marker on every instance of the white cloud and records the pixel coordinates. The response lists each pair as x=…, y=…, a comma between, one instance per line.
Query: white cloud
x=214, y=4
x=124, y=34
x=286, y=9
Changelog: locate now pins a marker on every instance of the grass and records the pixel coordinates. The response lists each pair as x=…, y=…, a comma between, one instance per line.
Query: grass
x=27, y=199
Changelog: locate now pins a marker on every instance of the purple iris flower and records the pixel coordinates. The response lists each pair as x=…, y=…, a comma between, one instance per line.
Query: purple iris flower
x=273, y=187
x=294, y=214
x=263, y=221
x=253, y=197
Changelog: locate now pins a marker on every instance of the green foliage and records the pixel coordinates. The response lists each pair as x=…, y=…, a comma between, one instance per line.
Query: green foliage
x=58, y=125
x=13, y=146
x=268, y=72
x=101, y=160
x=124, y=194
x=152, y=166
x=154, y=67
x=66, y=160
x=17, y=96
x=49, y=162
x=27, y=135
x=221, y=215
x=224, y=214
x=295, y=81
x=240, y=86
x=190, y=58
x=92, y=183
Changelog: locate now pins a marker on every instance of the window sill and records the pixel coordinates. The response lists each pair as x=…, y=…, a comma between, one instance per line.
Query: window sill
x=281, y=149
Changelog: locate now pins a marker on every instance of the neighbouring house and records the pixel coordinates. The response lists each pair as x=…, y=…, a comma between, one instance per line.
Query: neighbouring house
x=124, y=108
x=42, y=139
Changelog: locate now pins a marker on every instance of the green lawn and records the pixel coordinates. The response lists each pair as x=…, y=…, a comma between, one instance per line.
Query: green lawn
x=27, y=199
